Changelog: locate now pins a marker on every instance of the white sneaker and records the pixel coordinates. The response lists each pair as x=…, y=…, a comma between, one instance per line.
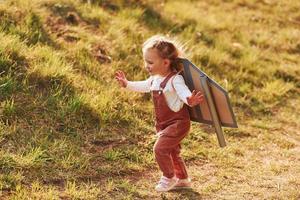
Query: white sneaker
x=183, y=183
x=165, y=184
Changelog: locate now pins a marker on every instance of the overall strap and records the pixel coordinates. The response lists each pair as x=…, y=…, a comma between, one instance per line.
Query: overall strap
x=177, y=73
x=164, y=83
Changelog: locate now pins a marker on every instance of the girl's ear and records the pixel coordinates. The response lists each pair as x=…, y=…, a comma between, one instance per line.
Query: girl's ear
x=167, y=62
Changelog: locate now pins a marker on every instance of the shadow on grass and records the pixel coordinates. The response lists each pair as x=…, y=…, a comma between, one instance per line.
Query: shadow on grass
x=29, y=27
x=151, y=17
x=47, y=100
x=153, y=20
x=67, y=14
x=187, y=194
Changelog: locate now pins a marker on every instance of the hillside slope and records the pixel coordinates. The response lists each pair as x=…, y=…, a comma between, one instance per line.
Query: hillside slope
x=67, y=131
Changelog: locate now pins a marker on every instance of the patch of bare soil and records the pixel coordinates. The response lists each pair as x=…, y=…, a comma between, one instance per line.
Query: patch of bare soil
x=101, y=54
x=60, y=26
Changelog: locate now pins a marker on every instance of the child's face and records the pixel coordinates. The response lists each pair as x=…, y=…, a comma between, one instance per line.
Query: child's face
x=155, y=64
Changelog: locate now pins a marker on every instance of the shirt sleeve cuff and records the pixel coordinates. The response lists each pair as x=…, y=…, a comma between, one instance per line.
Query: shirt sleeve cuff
x=129, y=85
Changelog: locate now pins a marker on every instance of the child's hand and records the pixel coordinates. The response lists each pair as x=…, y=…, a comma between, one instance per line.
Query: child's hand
x=195, y=99
x=120, y=76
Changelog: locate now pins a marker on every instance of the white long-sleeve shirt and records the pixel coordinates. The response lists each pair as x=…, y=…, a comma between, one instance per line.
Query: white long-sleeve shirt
x=175, y=98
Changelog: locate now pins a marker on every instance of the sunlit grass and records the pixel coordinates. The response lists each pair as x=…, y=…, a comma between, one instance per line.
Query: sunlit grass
x=82, y=191
x=67, y=131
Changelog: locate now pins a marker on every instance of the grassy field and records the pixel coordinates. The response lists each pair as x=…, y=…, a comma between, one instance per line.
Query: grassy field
x=67, y=131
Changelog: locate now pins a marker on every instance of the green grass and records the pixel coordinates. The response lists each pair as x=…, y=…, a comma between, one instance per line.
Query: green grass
x=67, y=131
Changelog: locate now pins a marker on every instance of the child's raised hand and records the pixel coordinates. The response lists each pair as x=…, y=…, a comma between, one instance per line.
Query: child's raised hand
x=121, y=78
x=195, y=99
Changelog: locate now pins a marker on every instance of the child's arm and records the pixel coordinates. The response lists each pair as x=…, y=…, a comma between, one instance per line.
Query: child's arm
x=137, y=86
x=185, y=94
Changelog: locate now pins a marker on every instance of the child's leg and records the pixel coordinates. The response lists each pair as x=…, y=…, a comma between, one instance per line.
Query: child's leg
x=162, y=152
x=163, y=148
x=179, y=165
x=165, y=145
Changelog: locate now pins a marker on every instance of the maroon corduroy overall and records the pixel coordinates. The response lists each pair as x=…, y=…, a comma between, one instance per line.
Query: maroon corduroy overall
x=171, y=127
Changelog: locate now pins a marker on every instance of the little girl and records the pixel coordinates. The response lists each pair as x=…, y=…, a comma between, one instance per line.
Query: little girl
x=170, y=97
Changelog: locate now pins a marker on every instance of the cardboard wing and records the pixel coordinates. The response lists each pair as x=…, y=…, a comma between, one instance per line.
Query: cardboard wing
x=215, y=109
x=195, y=79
